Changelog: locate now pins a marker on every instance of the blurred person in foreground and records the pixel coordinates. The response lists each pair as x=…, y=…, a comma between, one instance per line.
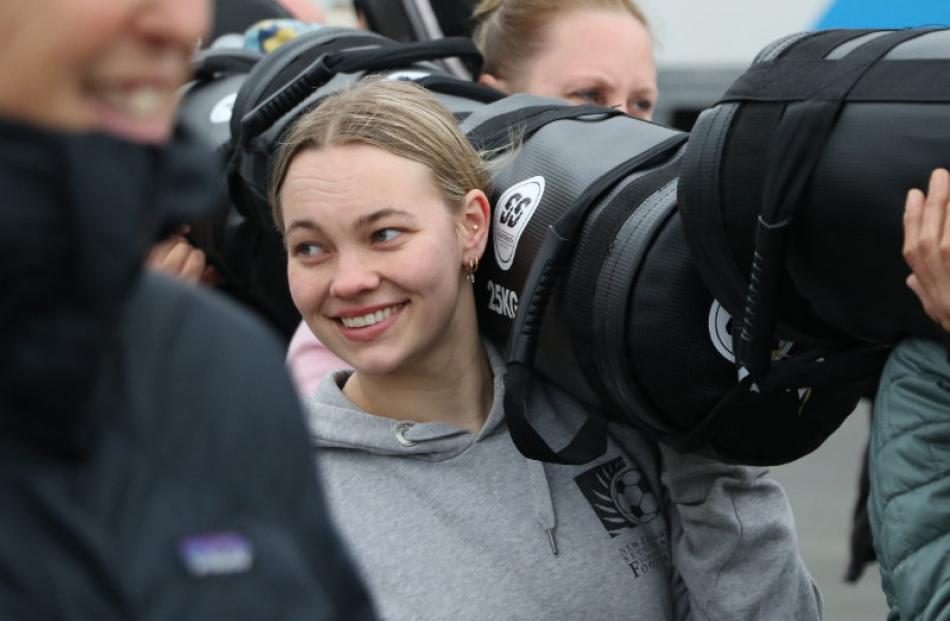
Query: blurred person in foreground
x=175, y=255
x=909, y=457
x=153, y=458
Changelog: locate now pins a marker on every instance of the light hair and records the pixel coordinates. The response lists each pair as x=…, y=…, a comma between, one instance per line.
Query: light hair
x=512, y=32
x=399, y=117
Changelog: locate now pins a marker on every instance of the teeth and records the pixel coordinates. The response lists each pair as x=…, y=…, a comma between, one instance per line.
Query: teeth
x=139, y=103
x=368, y=319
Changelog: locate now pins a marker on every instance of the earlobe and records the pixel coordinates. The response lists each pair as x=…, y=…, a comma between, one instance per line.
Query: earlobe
x=487, y=79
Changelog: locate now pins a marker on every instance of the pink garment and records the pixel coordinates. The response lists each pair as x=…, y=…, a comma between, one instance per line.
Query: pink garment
x=308, y=360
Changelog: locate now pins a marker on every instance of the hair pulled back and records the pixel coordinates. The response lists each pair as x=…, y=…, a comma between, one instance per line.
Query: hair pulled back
x=510, y=32
x=399, y=117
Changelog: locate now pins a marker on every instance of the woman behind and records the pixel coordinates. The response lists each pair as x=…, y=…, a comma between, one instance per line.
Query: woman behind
x=383, y=206
x=584, y=51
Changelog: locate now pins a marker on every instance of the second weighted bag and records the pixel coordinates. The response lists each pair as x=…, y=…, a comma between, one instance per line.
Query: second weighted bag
x=588, y=281
x=795, y=183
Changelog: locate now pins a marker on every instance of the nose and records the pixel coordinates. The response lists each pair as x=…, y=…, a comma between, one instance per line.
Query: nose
x=178, y=24
x=353, y=276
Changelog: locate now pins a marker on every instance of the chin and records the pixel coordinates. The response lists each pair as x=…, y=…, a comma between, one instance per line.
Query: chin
x=377, y=361
x=375, y=366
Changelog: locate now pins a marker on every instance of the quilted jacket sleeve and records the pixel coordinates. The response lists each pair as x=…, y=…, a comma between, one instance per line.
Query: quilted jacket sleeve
x=909, y=503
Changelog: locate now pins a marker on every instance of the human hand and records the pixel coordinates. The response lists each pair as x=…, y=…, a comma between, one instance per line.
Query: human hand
x=927, y=246
x=176, y=257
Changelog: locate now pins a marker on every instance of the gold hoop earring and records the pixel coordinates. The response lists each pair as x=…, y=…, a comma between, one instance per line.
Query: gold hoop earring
x=472, y=268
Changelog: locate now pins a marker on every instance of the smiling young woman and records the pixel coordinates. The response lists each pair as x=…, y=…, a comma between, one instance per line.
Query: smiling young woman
x=379, y=231
x=382, y=203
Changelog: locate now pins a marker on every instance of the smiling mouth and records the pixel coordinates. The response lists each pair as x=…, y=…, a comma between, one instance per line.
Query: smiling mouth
x=138, y=112
x=138, y=103
x=370, y=319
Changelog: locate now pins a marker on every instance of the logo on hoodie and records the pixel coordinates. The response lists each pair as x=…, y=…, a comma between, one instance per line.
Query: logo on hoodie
x=623, y=500
x=620, y=496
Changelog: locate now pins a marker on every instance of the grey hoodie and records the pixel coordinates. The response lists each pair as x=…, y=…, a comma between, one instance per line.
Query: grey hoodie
x=446, y=524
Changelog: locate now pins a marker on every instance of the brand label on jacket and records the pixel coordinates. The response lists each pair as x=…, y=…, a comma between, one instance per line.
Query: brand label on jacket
x=216, y=554
x=513, y=211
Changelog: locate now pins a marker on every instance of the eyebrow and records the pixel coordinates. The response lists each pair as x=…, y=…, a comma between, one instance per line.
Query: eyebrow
x=376, y=216
x=309, y=225
x=361, y=222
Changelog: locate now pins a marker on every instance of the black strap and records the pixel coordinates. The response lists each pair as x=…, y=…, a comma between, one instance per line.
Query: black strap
x=905, y=81
x=589, y=442
x=820, y=44
x=815, y=369
x=326, y=67
x=448, y=85
x=800, y=138
x=794, y=78
x=208, y=63
x=496, y=131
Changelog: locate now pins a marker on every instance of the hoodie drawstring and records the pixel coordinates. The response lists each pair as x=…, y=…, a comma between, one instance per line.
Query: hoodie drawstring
x=540, y=491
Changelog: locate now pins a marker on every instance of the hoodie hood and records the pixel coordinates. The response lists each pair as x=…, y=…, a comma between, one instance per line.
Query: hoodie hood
x=336, y=423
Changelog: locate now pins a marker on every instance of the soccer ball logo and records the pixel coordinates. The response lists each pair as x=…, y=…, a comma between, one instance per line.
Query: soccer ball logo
x=633, y=497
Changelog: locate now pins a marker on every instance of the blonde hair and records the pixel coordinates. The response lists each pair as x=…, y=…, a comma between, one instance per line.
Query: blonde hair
x=510, y=32
x=399, y=117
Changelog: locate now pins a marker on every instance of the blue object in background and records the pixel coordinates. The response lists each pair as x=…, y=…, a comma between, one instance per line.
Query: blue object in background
x=885, y=14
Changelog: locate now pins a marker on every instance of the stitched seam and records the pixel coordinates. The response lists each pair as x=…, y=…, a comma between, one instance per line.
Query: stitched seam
x=920, y=615
x=909, y=553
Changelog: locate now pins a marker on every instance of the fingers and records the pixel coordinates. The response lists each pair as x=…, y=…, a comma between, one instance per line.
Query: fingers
x=927, y=246
x=176, y=257
x=931, y=222
x=210, y=277
x=913, y=210
x=939, y=194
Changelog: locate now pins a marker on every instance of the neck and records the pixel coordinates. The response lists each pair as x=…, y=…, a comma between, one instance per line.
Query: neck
x=456, y=389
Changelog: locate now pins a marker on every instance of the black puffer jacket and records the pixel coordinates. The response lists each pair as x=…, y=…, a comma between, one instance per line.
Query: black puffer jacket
x=153, y=458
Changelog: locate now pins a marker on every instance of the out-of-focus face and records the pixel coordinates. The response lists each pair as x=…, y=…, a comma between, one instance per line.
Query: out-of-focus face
x=375, y=258
x=304, y=10
x=594, y=56
x=98, y=65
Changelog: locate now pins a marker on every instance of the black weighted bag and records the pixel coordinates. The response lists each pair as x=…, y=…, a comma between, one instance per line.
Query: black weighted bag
x=314, y=65
x=795, y=182
x=588, y=281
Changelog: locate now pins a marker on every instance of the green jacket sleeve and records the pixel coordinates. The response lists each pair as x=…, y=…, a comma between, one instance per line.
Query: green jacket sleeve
x=909, y=466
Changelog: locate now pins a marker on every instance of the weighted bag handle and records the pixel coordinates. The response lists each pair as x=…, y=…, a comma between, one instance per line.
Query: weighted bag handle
x=837, y=366
x=801, y=136
x=327, y=66
x=208, y=63
x=496, y=132
x=590, y=441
